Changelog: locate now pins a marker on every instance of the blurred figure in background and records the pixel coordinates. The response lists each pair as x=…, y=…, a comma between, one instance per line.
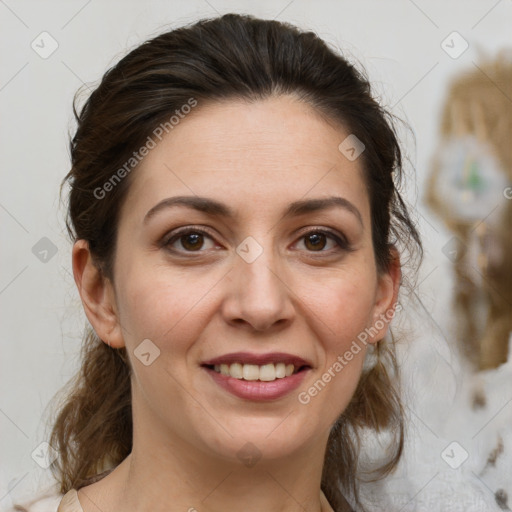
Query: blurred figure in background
x=470, y=188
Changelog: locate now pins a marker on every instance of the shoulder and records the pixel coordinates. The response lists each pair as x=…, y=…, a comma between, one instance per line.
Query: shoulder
x=70, y=502
x=50, y=503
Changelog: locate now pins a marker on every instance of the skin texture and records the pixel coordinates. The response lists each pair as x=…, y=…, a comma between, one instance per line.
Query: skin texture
x=257, y=158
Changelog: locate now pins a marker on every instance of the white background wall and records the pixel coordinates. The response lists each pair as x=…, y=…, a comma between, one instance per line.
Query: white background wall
x=399, y=43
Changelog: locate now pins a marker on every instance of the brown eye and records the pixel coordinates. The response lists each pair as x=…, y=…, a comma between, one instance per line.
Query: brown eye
x=190, y=240
x=315, y=241
x=323, y=241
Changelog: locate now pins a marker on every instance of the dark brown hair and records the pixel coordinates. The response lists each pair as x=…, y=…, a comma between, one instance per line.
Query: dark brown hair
x=228, y=57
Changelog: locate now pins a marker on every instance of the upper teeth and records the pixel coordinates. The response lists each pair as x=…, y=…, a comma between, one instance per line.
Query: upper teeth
x=266, y=372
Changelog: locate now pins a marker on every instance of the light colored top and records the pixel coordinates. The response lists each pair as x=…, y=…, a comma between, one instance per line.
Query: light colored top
x=71, y=503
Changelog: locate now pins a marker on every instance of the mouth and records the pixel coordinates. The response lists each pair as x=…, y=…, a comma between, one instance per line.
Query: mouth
x=250, y=372
x=263, y=367
x=258, y=376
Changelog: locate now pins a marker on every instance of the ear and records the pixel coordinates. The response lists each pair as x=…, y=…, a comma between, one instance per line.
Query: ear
x=386, y=298
x=97, y=294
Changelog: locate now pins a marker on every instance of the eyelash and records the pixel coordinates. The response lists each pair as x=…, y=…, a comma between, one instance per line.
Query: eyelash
x=340, y=241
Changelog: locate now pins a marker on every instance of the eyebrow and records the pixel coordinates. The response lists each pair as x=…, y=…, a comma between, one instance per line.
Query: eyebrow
x=218, y=209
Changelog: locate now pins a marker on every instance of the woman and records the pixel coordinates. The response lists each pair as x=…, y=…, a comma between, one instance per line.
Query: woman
x=237, y=234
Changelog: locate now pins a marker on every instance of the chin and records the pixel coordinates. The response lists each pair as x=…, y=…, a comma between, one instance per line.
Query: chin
x=262, y=439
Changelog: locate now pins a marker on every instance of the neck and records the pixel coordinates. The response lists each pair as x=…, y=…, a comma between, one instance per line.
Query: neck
x=247, y=489
x=174, y=482
x=174, y=476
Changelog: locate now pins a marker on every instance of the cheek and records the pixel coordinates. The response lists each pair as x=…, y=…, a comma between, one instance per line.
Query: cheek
x=166, y=309
x=343, y=303
x=342, y=313
x=161, y=306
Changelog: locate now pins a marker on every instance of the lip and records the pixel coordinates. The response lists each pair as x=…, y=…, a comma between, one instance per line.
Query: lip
x=258, y=359
x=256, y=390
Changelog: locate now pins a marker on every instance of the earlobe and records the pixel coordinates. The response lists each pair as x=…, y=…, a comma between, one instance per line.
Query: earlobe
x=386, y=298
x=97, y=295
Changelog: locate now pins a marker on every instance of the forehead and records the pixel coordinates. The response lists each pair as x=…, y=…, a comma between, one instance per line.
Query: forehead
x=270, y=151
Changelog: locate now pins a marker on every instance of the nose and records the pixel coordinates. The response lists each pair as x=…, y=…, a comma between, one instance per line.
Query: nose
x=257, y=295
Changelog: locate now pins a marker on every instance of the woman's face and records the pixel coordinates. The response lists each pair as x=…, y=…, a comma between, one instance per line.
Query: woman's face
x=250, y=284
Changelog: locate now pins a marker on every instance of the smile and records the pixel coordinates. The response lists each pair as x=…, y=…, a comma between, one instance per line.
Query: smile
x=258, y=377
x=266, y=373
